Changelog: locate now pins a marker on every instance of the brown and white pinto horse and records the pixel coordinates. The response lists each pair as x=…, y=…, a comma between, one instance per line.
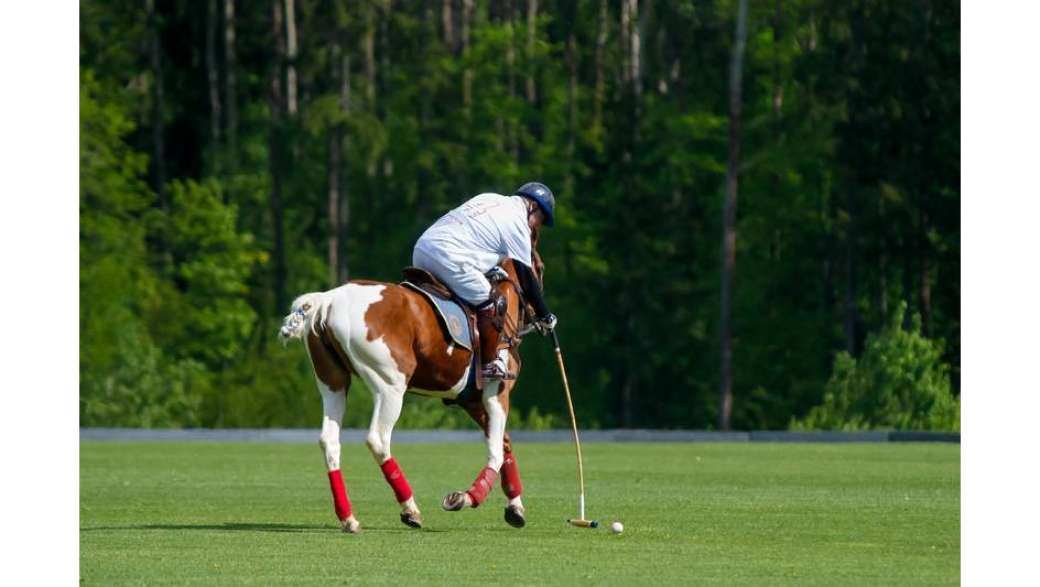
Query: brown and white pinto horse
x=390, y=337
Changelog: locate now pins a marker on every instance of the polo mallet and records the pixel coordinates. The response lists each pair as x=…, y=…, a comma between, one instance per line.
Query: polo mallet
x=580, y=522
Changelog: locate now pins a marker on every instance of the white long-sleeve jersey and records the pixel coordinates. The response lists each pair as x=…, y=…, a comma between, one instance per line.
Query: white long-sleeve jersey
x=480, y=233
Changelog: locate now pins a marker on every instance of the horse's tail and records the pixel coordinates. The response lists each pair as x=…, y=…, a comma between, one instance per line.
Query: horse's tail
x=308, y=310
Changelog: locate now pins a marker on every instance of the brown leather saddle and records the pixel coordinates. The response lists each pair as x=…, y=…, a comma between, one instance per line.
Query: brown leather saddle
x=430, y=284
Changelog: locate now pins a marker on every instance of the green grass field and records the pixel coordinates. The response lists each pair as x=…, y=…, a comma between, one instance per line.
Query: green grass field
x=693, y=513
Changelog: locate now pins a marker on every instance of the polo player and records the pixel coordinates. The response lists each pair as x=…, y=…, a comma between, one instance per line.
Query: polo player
x=469, y=241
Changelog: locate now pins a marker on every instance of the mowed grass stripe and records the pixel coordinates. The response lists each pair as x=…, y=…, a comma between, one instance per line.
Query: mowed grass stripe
x=186, y=513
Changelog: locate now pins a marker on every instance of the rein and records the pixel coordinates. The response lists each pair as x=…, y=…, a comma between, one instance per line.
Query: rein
x=521, y=327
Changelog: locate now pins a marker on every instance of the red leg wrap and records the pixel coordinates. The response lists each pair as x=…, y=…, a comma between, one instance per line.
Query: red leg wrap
x=511, y=484
x=339, y=495
x=395, y=477
x=480, y=488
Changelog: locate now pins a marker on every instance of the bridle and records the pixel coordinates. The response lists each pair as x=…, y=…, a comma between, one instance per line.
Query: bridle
x=514, y=331
x=524, y=325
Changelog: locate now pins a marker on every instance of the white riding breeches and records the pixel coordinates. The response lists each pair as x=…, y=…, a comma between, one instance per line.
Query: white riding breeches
x=464, y=279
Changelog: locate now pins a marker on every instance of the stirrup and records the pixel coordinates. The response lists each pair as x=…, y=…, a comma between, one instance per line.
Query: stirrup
x=493, y=371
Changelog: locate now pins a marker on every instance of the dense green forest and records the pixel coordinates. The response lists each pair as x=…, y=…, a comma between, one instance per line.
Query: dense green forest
x=758, y=217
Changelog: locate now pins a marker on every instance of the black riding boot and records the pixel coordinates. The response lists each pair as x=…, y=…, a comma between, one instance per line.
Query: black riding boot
x=489, y=322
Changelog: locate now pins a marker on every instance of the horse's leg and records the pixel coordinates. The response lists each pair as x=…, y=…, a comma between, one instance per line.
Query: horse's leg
x=513, y=488
x=495, y=433
x=388, y=401
x=333, y=383
x=511, y=485
x=333, y=403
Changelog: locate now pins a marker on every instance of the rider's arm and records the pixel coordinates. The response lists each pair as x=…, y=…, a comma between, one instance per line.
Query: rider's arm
x=532, y=289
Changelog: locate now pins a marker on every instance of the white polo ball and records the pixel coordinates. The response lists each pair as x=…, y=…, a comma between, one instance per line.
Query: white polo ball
x=617, y=528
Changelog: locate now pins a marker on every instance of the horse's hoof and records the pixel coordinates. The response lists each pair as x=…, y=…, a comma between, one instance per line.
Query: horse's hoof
x=411, y=519
x=456, y=500
x=351, y=525
x=515, y=516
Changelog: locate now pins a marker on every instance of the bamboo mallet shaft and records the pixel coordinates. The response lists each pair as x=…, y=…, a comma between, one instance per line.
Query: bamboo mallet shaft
x=574, y=428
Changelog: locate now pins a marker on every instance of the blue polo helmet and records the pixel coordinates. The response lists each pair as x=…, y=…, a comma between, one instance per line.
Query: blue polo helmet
x=542, y=196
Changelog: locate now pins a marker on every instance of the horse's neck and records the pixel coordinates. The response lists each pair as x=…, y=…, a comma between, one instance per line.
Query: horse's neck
x=509, y=266
x=510, y=288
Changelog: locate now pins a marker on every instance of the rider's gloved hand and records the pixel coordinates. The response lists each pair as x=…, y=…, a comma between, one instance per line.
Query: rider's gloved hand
x=546, y=323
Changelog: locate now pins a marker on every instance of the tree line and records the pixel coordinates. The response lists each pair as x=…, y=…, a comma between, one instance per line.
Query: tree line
x=758, y=219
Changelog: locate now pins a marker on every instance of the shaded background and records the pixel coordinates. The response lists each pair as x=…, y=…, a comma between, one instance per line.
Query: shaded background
x=236, y=154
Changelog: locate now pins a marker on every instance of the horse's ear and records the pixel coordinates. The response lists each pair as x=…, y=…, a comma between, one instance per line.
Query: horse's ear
x=536, y=258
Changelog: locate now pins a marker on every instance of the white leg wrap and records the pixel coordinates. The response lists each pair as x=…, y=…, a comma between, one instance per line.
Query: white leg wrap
x=409, y=505
x=496, y=425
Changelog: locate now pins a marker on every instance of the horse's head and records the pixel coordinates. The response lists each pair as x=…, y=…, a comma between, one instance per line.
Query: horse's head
x=510, y=286
x=519, y=312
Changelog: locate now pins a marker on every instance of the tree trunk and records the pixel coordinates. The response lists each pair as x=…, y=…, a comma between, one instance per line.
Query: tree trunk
x=572, y=111
x=778, y=86
x=448, y=24
x=628, y=367
x=635, y=60
x=626, y=401
x=385, y=9
x=344, y=184
x=856, y=59
x=908, y=249
x=630, y=49
x=624, y=32
x=511, y=131
x=532, y=16
x=158, y=105
x=333, y=174
x=385, y=77
x=661, y=55
x=276, y=159
x=290, y=59
x=370, y=74
x=851, y=283
x=882, y=262
x=212, y=71
x=467, y=73
x=778, y=93
x=370, y=59
x=601, y=49
x=925, y=284
x=382, y=54
x=230, y=72
x=925, y=204
x=426, y=199
x=729, y=217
